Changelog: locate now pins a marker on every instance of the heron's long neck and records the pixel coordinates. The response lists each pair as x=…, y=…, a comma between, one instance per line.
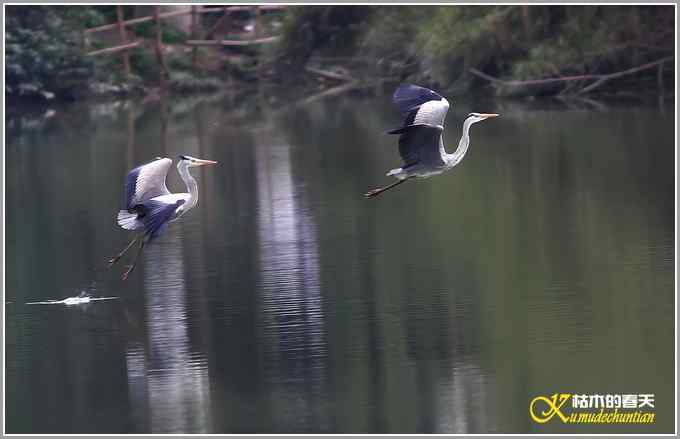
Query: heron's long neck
x=192, y=186
x=463, y=144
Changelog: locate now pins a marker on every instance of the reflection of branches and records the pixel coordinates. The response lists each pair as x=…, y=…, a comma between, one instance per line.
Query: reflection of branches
x=164, y=123
x=198, y=119
x=130, y=136
x=570, y=100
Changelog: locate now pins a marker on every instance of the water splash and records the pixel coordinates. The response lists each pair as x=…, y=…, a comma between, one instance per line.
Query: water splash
x=80, y=299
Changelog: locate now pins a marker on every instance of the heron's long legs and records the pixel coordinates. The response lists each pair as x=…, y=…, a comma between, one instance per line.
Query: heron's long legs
x=376, y=192
x=134, y=262
x=115, y=259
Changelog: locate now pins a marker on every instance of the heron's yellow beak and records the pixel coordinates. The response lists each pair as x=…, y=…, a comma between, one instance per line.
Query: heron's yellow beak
x=201, y=162
x=488, y=115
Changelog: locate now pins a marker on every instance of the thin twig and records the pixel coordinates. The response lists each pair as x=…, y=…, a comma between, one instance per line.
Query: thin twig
x=600, y=78
x=605, y=78
x=532, y=81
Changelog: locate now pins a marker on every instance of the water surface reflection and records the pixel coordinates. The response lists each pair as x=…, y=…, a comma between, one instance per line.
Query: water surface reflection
x=285, y=302
x=291, y=308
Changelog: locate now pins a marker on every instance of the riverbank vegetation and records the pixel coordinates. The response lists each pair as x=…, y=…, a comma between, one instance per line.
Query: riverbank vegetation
x=445, y=45
x=511, y=50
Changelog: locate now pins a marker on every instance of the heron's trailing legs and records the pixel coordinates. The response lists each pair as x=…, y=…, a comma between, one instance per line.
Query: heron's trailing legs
x=376, y=192
x=134, y=261
x=116, y=258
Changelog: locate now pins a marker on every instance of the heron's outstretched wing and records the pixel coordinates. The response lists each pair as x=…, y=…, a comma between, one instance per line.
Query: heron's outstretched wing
x=420, y=144
x=420, y=105
x=146, y=181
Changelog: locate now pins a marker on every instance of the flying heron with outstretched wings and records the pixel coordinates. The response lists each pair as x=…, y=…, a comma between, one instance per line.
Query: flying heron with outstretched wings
x=421, y=146
x=150, y=206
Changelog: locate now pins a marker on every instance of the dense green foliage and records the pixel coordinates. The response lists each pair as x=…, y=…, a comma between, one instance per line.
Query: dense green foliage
x=311, y=29
x=435, y=45
x=45, y=58
x=439, y=44
x=43, y=55
x=170, y=34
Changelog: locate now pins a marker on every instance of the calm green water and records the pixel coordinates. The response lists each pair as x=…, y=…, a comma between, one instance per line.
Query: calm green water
x=285, y=302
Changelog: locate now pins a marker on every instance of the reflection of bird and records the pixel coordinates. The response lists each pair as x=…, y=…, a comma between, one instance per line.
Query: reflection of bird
x=420, y=138
x=149, y=204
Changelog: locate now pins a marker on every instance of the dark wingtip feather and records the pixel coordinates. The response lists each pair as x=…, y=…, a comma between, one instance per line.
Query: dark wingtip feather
x=403, y=129
x=395, y=131
x=131, y=186
x=409, y=96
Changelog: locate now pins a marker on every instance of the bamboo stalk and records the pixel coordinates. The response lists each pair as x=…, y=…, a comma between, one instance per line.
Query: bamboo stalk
x=159, y=49
x=258, y=22
x=137, y=21
x=123, y=40
x=85, y=40
x=182, y=12
x=243, y=8
x=525, y=20
x=218, y=23
x=114, y=49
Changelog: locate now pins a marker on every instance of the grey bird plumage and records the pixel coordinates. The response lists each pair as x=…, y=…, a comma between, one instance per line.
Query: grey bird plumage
x=150, y=206
x=421, y=143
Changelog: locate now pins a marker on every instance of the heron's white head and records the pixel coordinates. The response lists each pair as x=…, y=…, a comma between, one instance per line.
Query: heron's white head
x=478, y=117
x=190, y=162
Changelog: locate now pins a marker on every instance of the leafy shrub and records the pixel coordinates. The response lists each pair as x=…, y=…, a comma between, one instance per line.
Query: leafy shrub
x=43, y=56
x=186, y=82
x=169, y=33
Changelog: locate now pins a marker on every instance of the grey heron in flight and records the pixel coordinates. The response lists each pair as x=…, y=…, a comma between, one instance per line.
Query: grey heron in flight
x=149, y=204
x=420, y=137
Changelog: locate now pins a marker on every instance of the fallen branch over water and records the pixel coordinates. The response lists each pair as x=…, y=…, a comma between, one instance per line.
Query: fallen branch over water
x=605, y=78
x=330, y=75
x=330, y=92
x=537, y=86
